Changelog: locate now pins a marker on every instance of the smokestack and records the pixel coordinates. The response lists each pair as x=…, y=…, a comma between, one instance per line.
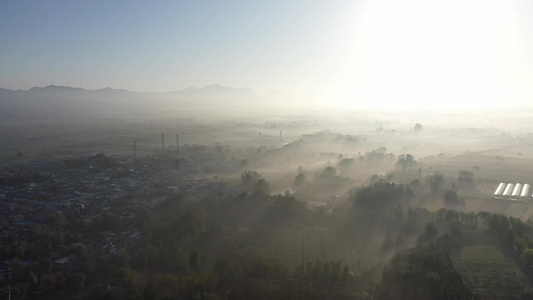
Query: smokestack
x=280, y=136
x=177, y=143
x=163, y=142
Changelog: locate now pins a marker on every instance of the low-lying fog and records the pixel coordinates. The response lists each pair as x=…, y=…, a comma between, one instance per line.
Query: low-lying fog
x=238, y=133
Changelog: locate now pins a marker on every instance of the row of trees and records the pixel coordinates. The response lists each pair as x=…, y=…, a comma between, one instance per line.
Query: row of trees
x=516, y=235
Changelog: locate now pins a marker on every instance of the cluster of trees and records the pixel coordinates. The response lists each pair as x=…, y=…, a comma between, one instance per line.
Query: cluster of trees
x=406, y=161
x=378, y=155
x=327, y=173
x=322, y=183
x=466, y=179
x=515, y=234
x=299, y=180
x=423, y=272
x=328, y=179
x=249, y=178
x=346, y=163
x=374, y=157
x=436, y=181
x=254, y=181
x=452, y=200
x=380, y=196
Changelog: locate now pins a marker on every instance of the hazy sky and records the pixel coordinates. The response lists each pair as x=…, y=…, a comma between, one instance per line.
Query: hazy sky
x=411, y=53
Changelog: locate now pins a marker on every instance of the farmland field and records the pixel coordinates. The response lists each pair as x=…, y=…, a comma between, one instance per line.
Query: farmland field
x=489, y=274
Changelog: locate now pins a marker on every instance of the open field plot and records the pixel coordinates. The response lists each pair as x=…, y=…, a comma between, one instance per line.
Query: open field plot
x=495, y=166
x=488, y=205
x=489, y=274
x=527, y=214
x=517, y=209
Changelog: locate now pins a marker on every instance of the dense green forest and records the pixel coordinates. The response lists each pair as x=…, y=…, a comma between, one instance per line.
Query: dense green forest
x=252, y=245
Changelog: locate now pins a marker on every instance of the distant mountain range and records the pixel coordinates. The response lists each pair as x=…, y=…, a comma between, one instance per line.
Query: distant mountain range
x=59, y=100
x=54, y=90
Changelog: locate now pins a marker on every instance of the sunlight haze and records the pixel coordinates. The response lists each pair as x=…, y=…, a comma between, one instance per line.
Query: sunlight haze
x=359, y=54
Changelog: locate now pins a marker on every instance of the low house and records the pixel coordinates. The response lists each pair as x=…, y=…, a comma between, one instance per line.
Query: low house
x=137, y=236
x=65, y=263
x=173, y=189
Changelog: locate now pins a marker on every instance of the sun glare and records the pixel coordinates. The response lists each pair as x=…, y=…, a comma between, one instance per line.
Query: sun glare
x=435, y=55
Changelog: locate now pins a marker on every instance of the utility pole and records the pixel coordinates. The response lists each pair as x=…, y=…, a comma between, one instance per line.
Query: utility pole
x=135, y=150
x=163, y=143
